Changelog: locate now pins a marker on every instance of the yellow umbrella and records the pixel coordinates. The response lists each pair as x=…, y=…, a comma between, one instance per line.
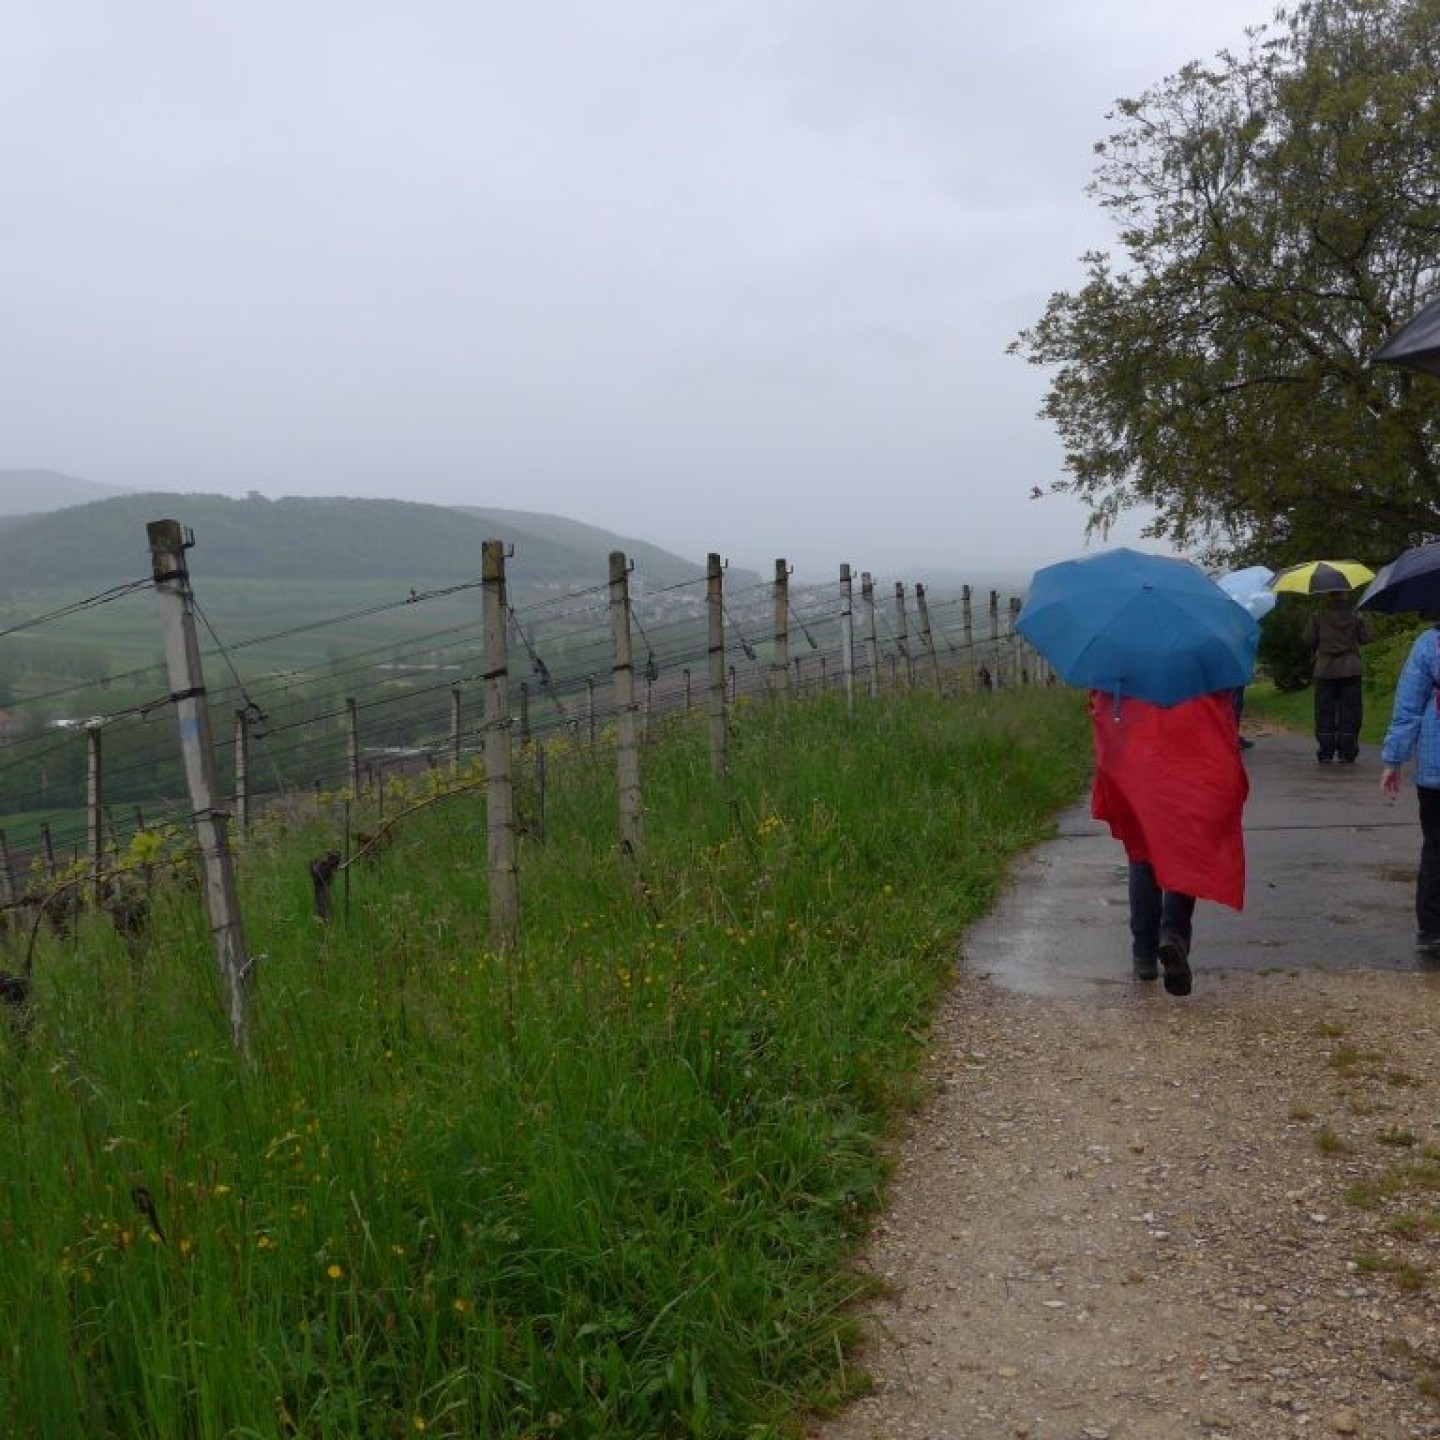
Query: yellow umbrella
x=1322, y=577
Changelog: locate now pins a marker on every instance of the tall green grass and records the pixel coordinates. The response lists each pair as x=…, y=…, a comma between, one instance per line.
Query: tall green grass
x=608, y=1185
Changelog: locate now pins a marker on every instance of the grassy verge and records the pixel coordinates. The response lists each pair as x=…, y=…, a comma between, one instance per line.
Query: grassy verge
x=1285, y=709
x=608, y=1185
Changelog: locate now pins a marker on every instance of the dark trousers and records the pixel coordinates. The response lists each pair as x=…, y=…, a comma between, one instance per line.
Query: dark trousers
x=1427, y=882
x=1155, y=912
x=1337, y=717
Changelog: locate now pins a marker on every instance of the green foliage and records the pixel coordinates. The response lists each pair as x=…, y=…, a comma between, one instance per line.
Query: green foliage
x=1283, y=653
x=607, y=1185
x=1277, y=208
x=1385, y=657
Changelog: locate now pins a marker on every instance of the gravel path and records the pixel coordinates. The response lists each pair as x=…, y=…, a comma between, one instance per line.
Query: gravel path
x=1124, y=1216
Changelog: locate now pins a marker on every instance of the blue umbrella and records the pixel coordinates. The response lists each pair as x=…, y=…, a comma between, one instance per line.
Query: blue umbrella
x=1250, y=587
x=1148, y=626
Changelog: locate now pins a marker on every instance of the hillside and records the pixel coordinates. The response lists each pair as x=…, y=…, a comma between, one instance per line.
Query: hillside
x=90, y=546
x=654, y=565
x=31, y=492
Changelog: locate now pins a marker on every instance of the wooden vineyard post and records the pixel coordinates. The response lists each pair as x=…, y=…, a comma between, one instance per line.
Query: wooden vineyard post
x=715, y=659
x=192, y=716
x=928, y=635
x=780, y=654
x=968, y=622
x=872, y=642
x=242, y=771
x=352, y=744
x=499, y=784
x=902, y=631
x=627, y=750
x=847, y=638
x=94, y=805
x=995, y=627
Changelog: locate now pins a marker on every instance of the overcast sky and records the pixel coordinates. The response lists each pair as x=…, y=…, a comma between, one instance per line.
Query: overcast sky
x=730, y=275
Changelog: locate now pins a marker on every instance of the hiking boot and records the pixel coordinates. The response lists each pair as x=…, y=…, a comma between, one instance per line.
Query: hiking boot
x=1175, y=962
x=1147, y=967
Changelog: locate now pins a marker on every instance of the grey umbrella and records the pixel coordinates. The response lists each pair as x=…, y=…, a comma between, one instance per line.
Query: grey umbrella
x=1416, y=344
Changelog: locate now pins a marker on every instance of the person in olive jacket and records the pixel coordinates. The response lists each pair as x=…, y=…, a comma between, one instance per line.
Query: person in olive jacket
x=1334, y=634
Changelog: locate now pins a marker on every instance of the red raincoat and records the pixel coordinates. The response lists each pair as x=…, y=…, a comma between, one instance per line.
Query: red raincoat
x=1170, y=783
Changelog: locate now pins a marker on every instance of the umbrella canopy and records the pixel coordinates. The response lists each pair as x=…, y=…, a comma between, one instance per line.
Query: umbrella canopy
x=1321, y=577
x=1147, y=626
x=1416, y=344
x=1411, y=581
x=1251, y=588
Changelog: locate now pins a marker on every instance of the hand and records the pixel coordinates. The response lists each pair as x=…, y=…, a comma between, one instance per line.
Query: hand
x=1390, y=783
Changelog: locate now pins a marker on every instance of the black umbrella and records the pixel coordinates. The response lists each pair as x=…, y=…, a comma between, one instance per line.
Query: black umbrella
x=1416, y=344
x=1411, y=581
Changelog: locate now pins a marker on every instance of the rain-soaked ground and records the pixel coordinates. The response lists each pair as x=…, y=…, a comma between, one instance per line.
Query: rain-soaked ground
x=1330, y=881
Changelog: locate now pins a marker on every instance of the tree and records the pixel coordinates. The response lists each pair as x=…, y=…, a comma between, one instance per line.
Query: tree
x=1279, y=213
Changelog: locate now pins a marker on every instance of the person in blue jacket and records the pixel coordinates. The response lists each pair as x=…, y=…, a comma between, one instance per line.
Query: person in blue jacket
x=1415, y=732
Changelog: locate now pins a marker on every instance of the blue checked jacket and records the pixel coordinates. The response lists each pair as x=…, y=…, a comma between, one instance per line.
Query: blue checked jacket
x=1414, y=719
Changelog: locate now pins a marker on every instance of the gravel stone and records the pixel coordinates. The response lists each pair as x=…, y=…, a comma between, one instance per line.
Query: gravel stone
x=1159, y=1219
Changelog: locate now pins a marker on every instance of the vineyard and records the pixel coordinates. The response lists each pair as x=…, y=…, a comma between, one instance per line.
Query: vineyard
x=89, y=761
x=599, y=1173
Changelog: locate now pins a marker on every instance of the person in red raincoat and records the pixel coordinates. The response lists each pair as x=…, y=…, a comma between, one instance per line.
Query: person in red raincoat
x=1171, y=785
